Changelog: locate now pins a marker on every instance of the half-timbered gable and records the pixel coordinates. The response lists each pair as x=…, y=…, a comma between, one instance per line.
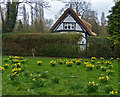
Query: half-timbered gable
x=70, y=22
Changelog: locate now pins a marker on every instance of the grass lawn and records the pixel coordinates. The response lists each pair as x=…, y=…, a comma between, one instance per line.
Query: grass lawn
x=61, y=79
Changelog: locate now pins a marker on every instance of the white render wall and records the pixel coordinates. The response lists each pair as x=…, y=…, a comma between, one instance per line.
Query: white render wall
x=60, y=27
x=69, y=18
x=78, y=27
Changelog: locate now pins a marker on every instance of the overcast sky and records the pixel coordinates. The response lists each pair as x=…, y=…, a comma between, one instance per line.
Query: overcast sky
x=98, y=5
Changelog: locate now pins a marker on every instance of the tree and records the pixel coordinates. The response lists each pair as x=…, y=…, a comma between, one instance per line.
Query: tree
x=92, y=18
x=116, y=1
x=114, y=23
x=9, y=20
x=18, y=26
x=79, y=6
x=103, y=20
x=24, y=16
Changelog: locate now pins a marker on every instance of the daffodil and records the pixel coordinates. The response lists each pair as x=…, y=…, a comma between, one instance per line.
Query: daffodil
x=46, y=71
x=31, y=74
x=89, y=82
x=116, y=92
x=93, y=82
x=33, y=79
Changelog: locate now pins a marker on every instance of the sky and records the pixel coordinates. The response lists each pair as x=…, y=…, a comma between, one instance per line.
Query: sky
x=98, y=5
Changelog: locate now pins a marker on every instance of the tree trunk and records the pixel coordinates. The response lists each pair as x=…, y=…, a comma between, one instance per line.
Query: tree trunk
x=1, y=13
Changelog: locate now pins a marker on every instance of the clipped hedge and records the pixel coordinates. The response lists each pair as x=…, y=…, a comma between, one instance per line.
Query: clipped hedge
x=102, y=47
x=55, y=45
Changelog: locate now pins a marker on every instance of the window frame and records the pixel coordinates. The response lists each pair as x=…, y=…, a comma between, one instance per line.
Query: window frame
x=69, y=23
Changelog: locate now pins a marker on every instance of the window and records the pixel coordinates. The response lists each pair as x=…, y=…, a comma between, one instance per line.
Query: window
x=69, y=26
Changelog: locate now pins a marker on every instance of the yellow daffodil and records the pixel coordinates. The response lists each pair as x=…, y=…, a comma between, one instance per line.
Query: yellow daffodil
x=33, y=79
x=31, y=74
x=89, y=82
x=93, y=82
x=46, y=71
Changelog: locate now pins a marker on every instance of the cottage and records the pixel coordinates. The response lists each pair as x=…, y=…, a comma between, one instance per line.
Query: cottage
x=70, y=22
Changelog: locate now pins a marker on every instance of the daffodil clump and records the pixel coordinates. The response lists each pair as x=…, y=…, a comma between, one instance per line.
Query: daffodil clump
x=23, y=60
x=15, y=61
x=74, y=60
x=113, y=92
x=110, y=72
x=2, y=68
x=69, y=64
x=53, y=63
x=92, y=61
x=110, y=66
x=39, y=63
x=6, y=66
x=38, y=79
x=78, y=62
x=85, y=63
x=17, y=65
x=108, y=63
x=60, y=61
x=111, y=58
x=11, y=57
x=13, y=75
x=17, y=70
x=65, y=60
x=6, y=59
x=99, y=62
x=42, y=74
x=92, y=86
x=98, y=65
x=104, y=79
x=103, y=68
x=93, y=58
x=89, y=67
x=101, y=58
x=118, y=59
x=38, y=82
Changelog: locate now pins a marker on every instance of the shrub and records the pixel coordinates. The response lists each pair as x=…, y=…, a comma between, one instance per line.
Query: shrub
x=100, y=46
x=59, y=45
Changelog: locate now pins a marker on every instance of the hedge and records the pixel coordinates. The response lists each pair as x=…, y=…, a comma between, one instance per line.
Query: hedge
x=57, y=45
x=102, y=47
x=53, y=45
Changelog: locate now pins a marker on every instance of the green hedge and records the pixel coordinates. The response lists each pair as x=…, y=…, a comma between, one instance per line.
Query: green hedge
x=102, y=47
x=57, y=45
